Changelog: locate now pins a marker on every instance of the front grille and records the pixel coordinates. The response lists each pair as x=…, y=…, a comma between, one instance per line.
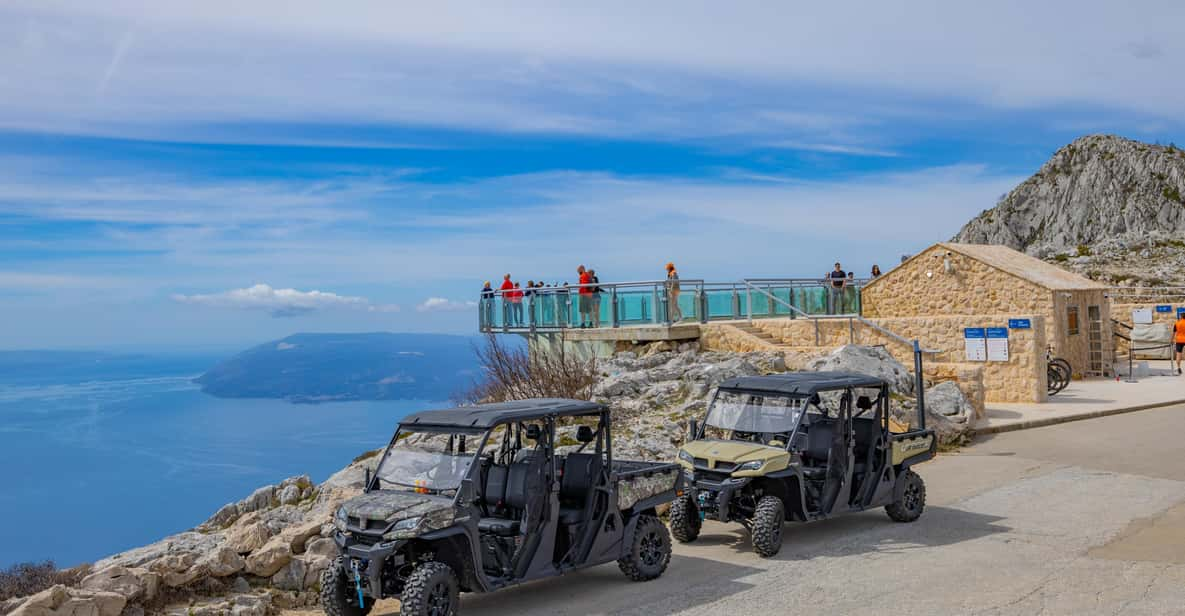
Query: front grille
x=366, y=539
x=702, y=464
x=366, y=524
x=713, y=476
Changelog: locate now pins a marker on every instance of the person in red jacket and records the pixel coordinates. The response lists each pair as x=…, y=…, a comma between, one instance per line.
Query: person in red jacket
x=585, y=292
x=507, y=288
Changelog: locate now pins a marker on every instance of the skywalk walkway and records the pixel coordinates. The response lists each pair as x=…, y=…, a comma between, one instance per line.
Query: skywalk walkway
x=662, y=307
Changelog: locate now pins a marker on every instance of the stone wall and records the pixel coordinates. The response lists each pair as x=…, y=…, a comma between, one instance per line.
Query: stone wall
x=1021, y=379
x=971, y=288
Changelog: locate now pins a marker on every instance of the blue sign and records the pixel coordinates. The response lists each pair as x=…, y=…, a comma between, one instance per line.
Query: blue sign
x=1180, y=311
x=973, y=332
x=1020, y=324
x=997, y=332
x=1164, y=308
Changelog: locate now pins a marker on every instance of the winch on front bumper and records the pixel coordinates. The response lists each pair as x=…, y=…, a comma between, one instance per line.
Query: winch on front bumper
x=368, y=557
x=714, y=498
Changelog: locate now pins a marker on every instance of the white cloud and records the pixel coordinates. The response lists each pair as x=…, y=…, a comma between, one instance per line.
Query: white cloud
x=281, y=302
x=152, y=68
x=440, y=304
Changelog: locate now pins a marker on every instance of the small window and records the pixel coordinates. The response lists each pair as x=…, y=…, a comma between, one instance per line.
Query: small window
x=1072, y=320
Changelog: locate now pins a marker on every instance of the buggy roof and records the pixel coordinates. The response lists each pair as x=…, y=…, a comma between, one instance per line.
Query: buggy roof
x=487, y=415
x=801, y=383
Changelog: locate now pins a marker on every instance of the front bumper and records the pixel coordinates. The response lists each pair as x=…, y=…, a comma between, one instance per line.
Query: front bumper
x=370, y=559
x=714, y=498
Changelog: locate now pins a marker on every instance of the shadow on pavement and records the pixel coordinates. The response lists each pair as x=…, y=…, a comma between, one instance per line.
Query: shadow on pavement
x=868, y=532
x=687, y=582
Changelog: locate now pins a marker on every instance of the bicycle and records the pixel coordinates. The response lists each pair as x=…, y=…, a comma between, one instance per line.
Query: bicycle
x=1058, y=372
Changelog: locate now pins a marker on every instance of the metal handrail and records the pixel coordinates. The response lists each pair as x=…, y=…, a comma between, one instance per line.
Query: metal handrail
x=749, y=306
x=1146, y=293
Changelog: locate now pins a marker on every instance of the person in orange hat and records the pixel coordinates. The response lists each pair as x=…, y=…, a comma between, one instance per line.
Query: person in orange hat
x=674, y=315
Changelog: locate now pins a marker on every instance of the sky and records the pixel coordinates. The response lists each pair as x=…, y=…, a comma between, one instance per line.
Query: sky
x=218, y=174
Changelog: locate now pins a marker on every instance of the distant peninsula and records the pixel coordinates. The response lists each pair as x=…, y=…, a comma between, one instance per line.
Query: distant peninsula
x=311, y=368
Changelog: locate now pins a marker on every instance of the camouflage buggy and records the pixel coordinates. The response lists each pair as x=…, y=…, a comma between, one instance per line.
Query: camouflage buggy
x=482, y=497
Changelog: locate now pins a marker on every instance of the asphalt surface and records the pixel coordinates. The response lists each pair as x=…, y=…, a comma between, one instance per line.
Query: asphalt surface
x=1080, y=518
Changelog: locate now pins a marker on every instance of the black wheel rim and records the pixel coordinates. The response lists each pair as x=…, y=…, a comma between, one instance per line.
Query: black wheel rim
x=912, y=496
x=440, y=600
x=650, y=549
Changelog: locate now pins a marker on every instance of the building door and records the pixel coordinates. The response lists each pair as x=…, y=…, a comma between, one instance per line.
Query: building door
x=1094, y=330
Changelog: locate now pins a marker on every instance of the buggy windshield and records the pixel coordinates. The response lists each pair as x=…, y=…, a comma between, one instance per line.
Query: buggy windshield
x=744, y=412
x=428, y=462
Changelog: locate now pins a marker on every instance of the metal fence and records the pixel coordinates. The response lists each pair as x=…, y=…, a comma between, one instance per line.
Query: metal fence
x=662, y=302
x=1147, y=295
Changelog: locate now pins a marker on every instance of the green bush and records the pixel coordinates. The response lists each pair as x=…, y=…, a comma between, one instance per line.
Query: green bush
x=1083, y=250
x=1171, y=193
x=1061, y=257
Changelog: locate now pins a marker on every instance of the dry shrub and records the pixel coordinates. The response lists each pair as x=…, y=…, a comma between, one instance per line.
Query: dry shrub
x=517, y=373
x=24, y=579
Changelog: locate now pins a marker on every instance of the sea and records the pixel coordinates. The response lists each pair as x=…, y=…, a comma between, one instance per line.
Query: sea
x=100, y=453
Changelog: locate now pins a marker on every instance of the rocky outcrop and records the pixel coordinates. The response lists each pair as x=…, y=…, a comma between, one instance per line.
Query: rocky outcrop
x=873, y=361
x=654, y=394
x=251, y=557
x=1108, y=207
x=64, y=601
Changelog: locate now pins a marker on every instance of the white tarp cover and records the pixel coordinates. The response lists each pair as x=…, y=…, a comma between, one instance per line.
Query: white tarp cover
x=1152, y=335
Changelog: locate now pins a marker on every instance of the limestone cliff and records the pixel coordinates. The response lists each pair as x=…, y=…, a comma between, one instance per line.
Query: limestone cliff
x=1108, y=207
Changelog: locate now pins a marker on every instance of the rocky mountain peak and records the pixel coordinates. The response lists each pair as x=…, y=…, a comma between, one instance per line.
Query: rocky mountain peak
x=1100, y=192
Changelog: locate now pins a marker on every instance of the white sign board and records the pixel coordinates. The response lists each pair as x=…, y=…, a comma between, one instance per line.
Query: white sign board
x=975, y=342
x=997, y=344
x=1141, y=316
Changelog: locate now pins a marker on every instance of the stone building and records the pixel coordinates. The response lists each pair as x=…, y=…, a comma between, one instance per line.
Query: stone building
x=997, y=284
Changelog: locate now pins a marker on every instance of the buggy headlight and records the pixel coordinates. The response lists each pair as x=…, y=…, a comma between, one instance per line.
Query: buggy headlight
x=339, y=519
x=404, y=528
x=686, y=457
x=755, y=465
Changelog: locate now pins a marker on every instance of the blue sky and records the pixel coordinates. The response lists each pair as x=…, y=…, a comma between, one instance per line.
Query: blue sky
x=217, y=175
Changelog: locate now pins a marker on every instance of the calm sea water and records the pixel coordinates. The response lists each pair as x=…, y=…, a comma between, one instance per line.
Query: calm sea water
x=102, y=454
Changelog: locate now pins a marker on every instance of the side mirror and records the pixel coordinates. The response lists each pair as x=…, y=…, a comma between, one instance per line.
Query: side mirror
x=692, y=430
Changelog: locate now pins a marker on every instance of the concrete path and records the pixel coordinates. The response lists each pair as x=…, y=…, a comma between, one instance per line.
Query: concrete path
x=1080, y=518
x=1088, y=399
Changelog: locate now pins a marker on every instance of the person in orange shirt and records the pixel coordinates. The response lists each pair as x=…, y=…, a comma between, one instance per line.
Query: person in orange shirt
x=585, y=293
x=1179, y=337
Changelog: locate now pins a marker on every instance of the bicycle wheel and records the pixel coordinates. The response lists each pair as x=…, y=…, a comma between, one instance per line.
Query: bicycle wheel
x=1066, y=370
x=1053, y=378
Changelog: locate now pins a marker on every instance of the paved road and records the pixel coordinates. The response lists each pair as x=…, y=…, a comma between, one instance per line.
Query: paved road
x=1080, y=518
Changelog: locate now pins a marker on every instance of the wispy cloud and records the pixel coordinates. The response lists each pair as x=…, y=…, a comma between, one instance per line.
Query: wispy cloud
x=831, y=148
x=174, y=69
x=281, y=302
x=440, y=304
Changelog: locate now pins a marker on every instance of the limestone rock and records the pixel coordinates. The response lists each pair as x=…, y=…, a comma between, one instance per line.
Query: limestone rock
x=270, y=558
x=247, y=535
x=873, y=361
x=63, y=601
x=289, y=495
x=322, y=546
x=134, y=584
